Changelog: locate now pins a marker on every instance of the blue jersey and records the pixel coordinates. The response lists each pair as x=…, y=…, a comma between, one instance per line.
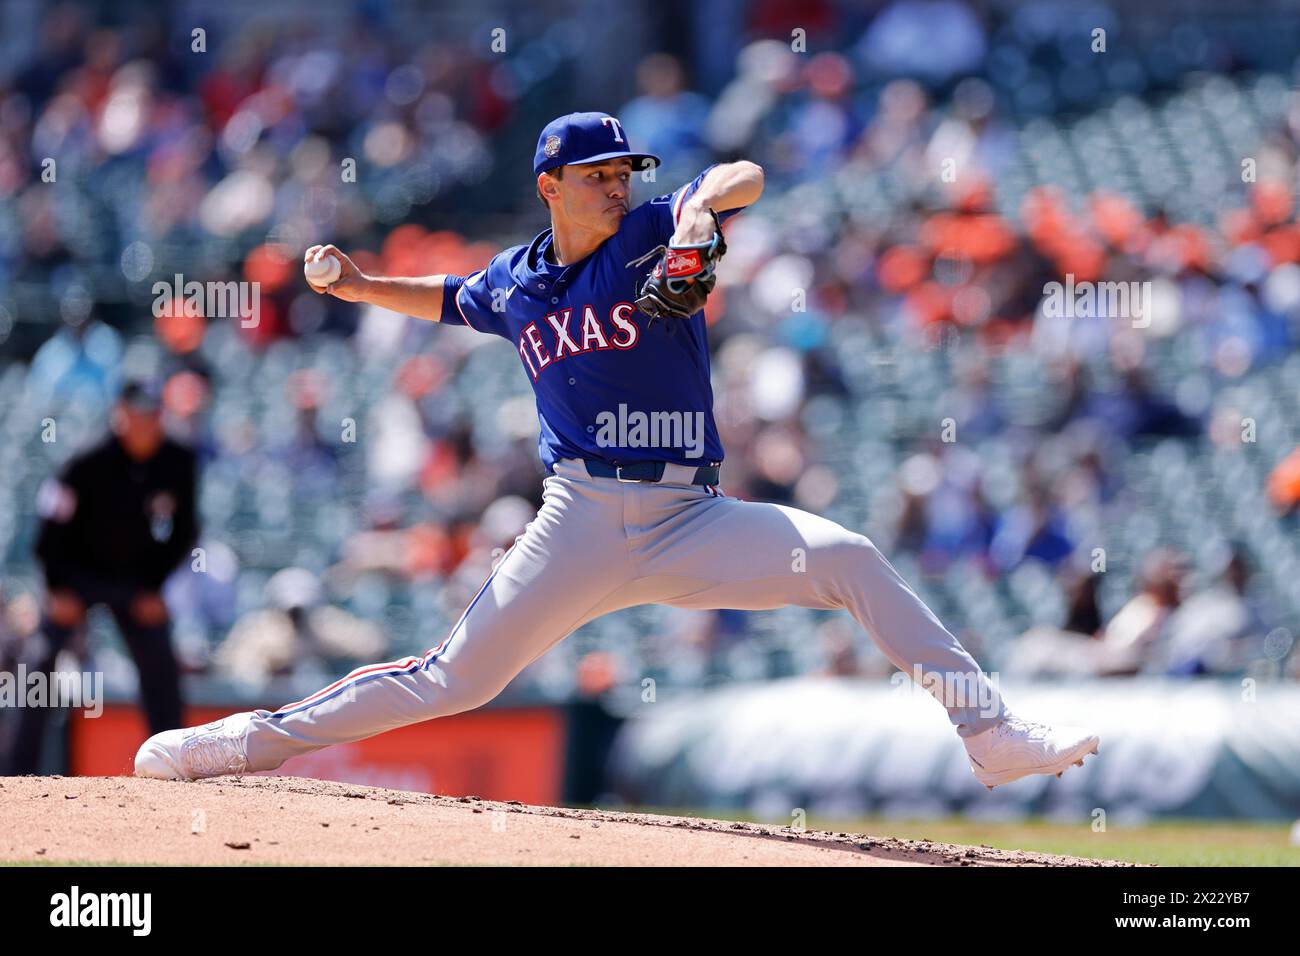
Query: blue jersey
x=609, y=385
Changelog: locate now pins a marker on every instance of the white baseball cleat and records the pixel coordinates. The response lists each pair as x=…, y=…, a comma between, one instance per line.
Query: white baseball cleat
x=1017, y=748
x=192, y=753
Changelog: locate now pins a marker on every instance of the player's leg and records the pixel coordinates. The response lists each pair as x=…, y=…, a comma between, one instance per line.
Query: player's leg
x=751, y=555
x=149, y=642
x=758, y=556
x=569, y=561
x=64, y=616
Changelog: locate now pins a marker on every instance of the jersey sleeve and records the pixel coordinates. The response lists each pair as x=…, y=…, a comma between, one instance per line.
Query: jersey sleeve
x=478, y=299
x=653, y=223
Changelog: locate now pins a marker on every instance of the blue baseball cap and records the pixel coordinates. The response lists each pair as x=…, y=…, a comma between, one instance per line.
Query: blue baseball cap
x=580, y=138
x=144, y=394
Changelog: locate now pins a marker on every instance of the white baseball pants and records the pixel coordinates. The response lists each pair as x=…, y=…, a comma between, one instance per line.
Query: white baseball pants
x=598, y=545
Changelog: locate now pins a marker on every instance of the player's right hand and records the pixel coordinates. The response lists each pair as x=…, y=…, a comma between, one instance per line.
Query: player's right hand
x=65, y=608
x=349, y=286
x=147, y=608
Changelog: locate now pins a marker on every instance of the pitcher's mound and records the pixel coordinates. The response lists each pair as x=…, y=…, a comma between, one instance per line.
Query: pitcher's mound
x=291, y=820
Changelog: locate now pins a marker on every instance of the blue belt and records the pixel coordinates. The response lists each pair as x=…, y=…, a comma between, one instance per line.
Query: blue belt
x=646, y=471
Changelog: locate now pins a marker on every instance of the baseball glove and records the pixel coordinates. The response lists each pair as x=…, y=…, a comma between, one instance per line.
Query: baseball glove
x=682, y=278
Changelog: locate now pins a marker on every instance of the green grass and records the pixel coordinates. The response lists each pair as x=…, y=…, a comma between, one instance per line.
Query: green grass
x=77, y=863
x=1165, y=843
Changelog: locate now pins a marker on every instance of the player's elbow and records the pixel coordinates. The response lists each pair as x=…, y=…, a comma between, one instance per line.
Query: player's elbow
x=753, y=177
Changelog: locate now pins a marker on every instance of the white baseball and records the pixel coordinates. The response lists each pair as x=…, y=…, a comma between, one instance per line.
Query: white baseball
x=322, y=271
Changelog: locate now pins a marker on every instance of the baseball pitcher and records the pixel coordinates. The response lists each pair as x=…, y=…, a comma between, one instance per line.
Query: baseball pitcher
x=604, y=309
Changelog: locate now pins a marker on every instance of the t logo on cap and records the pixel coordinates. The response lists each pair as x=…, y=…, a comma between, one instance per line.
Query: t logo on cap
x=618, y=127
x=580, y=138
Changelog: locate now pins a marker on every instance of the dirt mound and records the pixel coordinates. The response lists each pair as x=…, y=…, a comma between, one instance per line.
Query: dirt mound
x=291, y=820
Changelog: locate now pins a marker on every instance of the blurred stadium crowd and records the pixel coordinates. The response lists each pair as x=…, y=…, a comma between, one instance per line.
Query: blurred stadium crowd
x=1112, y=496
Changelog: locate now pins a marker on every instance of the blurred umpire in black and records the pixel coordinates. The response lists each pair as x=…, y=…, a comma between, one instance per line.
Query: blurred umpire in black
x=114, y=524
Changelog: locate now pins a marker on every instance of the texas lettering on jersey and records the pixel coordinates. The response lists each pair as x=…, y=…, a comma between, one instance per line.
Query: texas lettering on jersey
x=585, y=346
x=593, y=336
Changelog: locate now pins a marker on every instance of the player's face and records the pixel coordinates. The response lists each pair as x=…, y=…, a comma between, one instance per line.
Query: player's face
x=140, y=432
x=597, y=196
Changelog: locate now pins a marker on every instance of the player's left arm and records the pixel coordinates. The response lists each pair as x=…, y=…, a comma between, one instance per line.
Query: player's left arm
x=725, y=186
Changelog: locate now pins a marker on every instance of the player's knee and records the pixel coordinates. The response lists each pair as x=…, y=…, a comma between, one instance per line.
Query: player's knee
x=476, y=697
x=852, y=551
x=848, y=558
x=459, y=693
